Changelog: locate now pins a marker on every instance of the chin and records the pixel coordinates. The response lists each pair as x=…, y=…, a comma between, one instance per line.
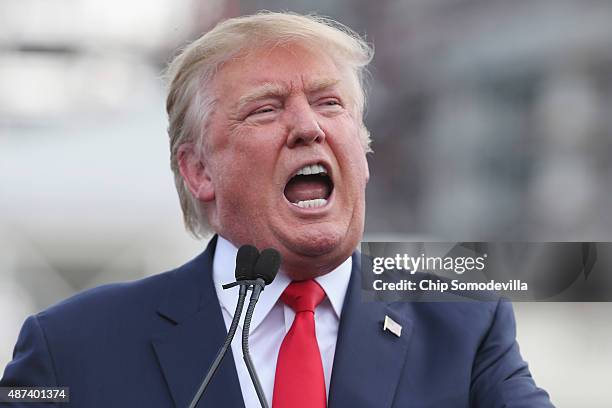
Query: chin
x=314, y=244
x=314, y=248
x=319, y=249
x=313, y=239
x=318, y=259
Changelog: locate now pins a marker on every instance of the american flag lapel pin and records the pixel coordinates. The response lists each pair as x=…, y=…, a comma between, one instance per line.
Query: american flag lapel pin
x=392, y=326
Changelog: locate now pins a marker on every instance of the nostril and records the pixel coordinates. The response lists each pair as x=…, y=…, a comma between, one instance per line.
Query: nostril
x=299, y=137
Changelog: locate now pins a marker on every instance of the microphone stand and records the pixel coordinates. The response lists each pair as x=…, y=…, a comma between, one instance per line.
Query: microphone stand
x=244, y=286
x=257, y=289
x=264, y=269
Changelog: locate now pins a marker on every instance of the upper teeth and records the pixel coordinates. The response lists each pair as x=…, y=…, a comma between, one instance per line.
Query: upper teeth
x=312, y=169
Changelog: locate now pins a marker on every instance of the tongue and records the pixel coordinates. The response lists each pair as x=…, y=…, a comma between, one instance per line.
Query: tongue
x=302, y=188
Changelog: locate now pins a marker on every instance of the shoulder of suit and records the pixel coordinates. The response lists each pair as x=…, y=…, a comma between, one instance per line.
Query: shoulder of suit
x=116, y=304
x=116, y=299
x=138, y=294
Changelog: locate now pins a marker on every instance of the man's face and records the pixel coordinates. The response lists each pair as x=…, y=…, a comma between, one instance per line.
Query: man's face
x=281, y=112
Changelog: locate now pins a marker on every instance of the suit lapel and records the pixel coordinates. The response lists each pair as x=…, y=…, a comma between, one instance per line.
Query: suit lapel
x=186, y=350
x=368, y=361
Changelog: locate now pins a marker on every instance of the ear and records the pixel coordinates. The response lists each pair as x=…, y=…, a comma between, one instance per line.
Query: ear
x=195, y=172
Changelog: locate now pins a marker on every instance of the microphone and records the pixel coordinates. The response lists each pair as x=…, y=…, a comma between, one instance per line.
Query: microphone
x=265, y=271
x=245, y=263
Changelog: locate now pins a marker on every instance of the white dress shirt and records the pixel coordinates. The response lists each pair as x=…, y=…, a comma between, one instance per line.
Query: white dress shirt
x=272, y=319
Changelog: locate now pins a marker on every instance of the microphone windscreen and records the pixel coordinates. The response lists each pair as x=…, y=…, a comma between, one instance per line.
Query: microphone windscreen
x=245, y=262
x=267, y=265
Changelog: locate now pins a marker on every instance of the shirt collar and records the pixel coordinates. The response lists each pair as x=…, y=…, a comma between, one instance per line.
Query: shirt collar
x=334, y=283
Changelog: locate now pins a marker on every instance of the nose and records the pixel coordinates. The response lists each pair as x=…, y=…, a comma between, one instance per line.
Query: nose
x=303, y=127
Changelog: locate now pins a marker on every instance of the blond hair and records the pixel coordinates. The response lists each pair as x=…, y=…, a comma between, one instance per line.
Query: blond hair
x=190, y=73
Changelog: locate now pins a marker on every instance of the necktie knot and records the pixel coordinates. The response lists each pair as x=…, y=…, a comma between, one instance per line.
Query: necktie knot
x=303, y=296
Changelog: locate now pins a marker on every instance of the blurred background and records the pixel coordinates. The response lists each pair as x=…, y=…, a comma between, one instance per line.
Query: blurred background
x=491, y=120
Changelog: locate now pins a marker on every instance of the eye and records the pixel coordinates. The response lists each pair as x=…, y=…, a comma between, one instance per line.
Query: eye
x=330, y=102
x=264, y=109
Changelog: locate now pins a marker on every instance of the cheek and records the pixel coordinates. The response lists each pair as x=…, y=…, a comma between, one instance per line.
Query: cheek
x=246, y=167
x=351, y=156
x=361, y=173
x=256, y=144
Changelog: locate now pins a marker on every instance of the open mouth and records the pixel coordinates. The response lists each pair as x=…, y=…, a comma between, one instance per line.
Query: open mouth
x=310, y=187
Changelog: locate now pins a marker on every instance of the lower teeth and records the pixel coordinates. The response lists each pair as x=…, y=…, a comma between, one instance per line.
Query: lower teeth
x=317, y=202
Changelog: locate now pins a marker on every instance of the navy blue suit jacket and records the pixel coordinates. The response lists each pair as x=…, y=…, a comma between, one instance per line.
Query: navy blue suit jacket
x=149, y=343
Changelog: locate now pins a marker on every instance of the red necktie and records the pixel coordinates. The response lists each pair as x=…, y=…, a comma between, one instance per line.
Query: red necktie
x=299, y=380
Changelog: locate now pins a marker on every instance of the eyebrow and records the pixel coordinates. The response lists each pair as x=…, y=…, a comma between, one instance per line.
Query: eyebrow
x=321, y=84
x=274, y=90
